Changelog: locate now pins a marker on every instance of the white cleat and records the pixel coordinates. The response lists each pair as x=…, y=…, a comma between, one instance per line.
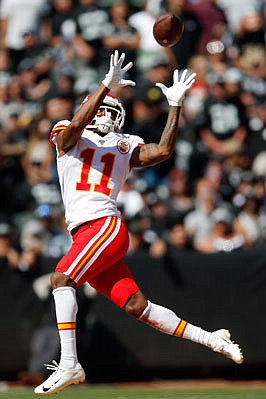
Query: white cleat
x=60, y=379
x=220, y=342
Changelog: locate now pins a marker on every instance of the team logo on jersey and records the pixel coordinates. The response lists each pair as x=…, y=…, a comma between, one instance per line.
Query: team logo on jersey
x=123, y=146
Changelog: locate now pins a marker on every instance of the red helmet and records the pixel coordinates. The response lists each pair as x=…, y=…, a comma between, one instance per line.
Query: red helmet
x=113, y=118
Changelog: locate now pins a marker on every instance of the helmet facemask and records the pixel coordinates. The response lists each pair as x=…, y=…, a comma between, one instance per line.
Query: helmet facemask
x=111, y=116
x=108, y=120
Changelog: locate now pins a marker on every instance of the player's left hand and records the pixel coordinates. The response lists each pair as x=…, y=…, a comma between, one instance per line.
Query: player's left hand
x=115, y=75
x=175, y=94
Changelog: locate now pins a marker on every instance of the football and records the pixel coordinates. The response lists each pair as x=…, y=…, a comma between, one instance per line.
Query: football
x=168, y=29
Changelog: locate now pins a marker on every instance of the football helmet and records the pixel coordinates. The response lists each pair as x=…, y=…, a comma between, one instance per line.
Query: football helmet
x=111, y=117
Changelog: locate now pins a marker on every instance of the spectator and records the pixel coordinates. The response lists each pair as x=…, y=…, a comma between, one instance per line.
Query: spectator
x=247, y=222
x=58, y=107
x=214, y=175
x=197, y=94
x=17, y=18
x=222, y=124
x=8, y=249
x=177, y=239
x=70, y=52
x=149, y=50
x=250, y=42
x=222, y=237
x=256, y=113
x=32, y=85
x=61, y=25
x=124, y=37
x=136, y=242
x=60, y=240
x=197, y=222
x=130, y=200
x=158, y=70
x=37, y=162
x=5, y=106
x=234, y=11
x=92, y=23
x=180, y=200
x=259, y=164
x=212, y=21
x=46, y=232
x=5, y=63
x=159, y=217
x=13, y=146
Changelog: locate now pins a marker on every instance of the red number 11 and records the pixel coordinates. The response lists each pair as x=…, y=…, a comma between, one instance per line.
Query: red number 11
x=107, y=159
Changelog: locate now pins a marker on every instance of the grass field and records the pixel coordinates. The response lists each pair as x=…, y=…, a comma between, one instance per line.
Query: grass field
x=160, y=391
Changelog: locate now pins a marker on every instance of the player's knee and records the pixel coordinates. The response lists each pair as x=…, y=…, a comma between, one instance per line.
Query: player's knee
x=61, y=280
x=136, y=305
x=122, y=291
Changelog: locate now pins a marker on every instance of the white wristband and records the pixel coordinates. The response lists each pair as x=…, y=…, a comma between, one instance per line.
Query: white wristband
x=175, y=103
x=107, y=81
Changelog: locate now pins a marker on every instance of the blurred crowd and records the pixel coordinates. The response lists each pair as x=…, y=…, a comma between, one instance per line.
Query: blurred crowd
x=210, y=195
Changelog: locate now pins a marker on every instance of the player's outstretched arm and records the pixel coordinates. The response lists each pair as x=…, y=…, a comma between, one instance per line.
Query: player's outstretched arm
x=68, y=137
x=152, y=154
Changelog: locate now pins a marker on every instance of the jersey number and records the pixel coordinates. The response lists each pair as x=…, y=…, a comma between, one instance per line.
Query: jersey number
x=107, y=159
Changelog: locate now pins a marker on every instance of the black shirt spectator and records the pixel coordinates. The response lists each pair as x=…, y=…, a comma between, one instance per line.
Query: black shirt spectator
x=92, y=25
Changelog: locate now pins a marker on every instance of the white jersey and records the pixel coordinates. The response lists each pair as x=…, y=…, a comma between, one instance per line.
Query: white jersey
x=92, y=172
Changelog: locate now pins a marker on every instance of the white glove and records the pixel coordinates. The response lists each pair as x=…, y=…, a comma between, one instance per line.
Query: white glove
x=176, y=93
x=116, y=72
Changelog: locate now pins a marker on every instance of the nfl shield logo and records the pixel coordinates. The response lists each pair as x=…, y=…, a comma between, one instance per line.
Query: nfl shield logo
x=123, y=146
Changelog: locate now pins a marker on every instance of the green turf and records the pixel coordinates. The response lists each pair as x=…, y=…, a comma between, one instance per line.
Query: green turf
x=110, y=392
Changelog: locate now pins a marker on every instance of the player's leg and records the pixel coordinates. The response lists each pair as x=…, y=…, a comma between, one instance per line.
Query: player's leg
x=66, y=311
x=93, y=247
x=91, y=251
x=117, y=284
x=68, y=371
x=168, y=322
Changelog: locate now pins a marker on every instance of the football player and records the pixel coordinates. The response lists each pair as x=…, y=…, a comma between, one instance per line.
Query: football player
x=94, y=159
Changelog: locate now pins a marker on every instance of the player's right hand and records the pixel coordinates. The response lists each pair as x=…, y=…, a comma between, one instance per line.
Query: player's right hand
x=175, y=93
x=114, y=77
